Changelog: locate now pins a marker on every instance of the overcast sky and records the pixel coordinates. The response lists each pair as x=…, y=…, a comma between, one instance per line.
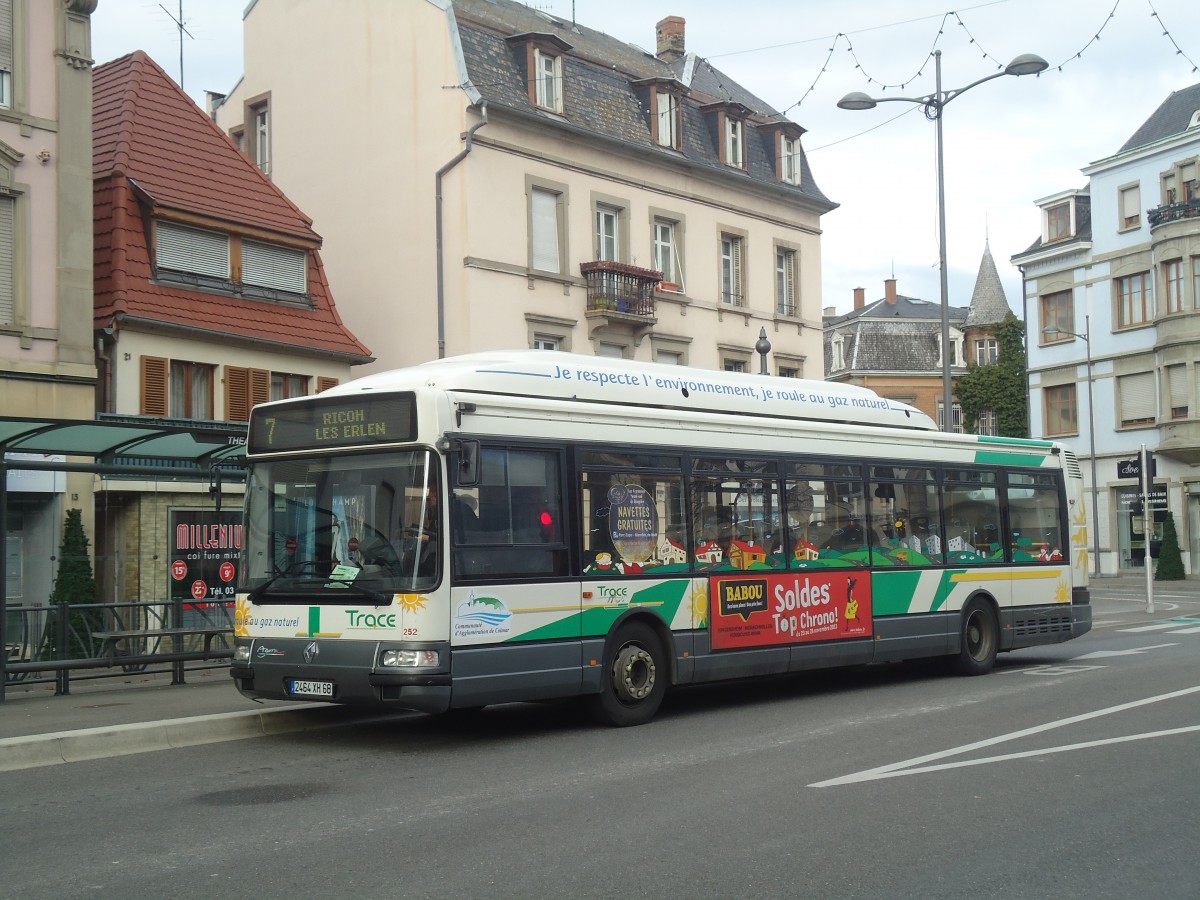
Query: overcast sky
x=1007, y=143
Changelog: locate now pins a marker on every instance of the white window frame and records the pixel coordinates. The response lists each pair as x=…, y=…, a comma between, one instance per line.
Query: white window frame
x=547, y=80
x=735, y=144
x=789, y=159
x=1172, y=271
x=262, y=138
x=664, y=249
x=666, y=108
x=785, y=282
x=7, y=55
x=987, y=351
x=608, y=232
x=546, y=341
x=732, y=253
x=956, y=416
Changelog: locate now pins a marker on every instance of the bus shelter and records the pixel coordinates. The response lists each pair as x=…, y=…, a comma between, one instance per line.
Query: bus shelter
x=124, y=453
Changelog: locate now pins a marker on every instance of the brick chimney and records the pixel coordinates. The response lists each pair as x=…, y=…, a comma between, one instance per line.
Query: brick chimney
x=670, y=39
x=860, y=298
x=889, y=291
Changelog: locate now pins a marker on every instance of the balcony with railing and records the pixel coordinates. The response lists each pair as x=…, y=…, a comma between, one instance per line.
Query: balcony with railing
x=619, y=288
x=1174, y=212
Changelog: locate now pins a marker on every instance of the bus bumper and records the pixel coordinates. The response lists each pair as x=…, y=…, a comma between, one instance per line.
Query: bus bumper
x=338, y=672
x=1081, y=619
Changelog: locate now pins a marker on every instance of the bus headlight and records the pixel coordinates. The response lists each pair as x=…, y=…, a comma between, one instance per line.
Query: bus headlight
x=241, y=653
x=410, y=658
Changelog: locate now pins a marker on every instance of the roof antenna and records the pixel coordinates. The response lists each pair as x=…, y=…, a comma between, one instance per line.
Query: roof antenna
x=179, y=23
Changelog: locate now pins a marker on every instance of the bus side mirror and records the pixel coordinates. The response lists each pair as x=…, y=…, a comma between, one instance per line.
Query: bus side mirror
x=468, y=463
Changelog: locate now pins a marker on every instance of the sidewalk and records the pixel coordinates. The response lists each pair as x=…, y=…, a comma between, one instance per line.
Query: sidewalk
x=115, y=717
x=118, y=716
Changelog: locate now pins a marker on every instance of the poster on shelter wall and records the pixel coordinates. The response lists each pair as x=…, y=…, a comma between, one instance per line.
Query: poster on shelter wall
x=203, y=553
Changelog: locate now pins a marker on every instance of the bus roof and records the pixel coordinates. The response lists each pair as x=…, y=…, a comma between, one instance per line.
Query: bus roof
x=597, y=379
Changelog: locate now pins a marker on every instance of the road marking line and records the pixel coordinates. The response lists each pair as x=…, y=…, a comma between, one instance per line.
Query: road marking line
x=1133, y=651
x=876, y=775
x=1161, y=626
x=900, y=768
x=1187, y=631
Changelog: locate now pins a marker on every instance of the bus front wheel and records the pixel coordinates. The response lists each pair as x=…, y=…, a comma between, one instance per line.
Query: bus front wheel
x=635, y=678
x=979, y=639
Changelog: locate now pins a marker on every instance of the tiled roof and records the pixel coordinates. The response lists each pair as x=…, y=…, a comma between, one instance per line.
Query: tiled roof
x=883, y=337
x=598, y=93
x=154, y=150
x=989, y=305
x=1171, y=118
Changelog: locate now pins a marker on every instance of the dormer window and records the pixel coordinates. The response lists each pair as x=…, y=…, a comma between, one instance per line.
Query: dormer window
x=789, y=159
x=728, y=120
x=662, y=98
x=547, y=80
x=838, y=353
x=735, y=143
x=542, y=58
x=666, y=119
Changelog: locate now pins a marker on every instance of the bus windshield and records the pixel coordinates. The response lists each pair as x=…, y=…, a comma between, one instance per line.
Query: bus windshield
x=327, y=527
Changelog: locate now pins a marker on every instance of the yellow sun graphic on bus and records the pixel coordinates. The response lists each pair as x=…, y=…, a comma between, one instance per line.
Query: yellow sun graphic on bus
x=241, y=617
x=699, y=603
x=1062, y=593
x=411, y=602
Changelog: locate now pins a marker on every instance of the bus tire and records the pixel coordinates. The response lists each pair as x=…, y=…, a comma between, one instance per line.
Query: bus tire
x=979, y=639
x=635, y=678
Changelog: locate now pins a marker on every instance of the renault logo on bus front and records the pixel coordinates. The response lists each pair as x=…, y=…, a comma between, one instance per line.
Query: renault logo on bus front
x=311, y=651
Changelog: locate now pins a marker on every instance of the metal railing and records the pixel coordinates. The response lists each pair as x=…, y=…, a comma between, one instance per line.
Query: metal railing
x=1173, y=212
x=57, y=642
x=620, y=288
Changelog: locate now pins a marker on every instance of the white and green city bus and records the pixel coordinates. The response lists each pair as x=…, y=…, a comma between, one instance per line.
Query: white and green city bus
x=530, y=525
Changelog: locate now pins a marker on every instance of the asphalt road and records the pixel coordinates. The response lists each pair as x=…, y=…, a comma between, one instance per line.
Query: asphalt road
x=1070, y=772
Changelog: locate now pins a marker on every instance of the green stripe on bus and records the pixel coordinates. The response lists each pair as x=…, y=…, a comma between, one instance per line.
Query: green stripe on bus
x=1008, y=459
x=898, y=593
x=892, y=593
x=314, y=620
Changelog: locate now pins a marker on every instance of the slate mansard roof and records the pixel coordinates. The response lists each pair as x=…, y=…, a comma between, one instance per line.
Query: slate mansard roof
x=156, y=153
x=1173, y=117
x=884, y=338
x=600, y=98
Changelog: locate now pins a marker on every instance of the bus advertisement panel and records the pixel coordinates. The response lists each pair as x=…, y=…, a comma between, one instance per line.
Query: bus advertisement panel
x=786, y=609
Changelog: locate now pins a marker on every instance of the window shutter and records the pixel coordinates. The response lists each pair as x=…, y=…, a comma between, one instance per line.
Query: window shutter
x=324, y=383
x=245, y=389
x=1187, y=172
x=154, y=385
x=736, y=249
x=1137, y=397
x=6, y=35
x=1177, y=385
x=272, y=266
x=1131, y=201
x=191, y=250
x=8, y=301
x=260, y=386
x=237, y=407
x=544, y=221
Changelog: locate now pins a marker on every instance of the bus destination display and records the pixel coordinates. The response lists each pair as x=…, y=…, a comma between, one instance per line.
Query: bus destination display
x=333, y=422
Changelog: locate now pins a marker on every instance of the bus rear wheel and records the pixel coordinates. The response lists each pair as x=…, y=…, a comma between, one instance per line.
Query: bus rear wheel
x=635, y=678
x=979, y=640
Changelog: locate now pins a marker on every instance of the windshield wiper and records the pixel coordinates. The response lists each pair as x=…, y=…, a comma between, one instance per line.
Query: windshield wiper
x=287, y=572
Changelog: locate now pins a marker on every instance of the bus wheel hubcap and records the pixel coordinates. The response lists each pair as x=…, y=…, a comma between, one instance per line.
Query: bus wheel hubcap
x=634, y=671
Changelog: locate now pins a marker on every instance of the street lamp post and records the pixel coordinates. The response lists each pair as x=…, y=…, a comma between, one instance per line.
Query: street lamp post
x=933, y=104
x=1087, y=341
